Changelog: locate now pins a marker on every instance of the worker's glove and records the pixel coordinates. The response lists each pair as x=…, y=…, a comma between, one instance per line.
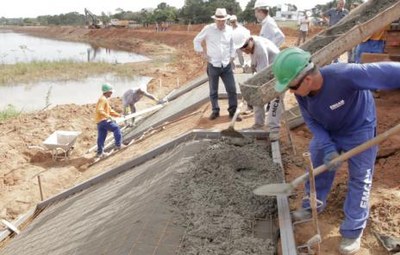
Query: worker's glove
x=329, y=156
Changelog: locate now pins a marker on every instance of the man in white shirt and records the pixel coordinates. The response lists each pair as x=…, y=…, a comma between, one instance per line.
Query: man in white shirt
x=304, y=24
x=270, y=31
x=269, y=28
x=238, y=29
x=219, y=54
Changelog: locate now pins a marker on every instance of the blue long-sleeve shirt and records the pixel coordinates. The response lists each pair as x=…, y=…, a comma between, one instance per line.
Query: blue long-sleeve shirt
x=345, y=104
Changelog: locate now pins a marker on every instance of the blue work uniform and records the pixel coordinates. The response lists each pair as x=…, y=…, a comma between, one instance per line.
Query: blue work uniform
x=342, y=116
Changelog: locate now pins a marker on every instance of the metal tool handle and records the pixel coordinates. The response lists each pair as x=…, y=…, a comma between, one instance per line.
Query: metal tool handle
x=345, y=156
x=235, y=115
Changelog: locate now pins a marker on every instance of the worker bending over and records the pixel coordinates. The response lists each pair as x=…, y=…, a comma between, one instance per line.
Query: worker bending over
x=132, y=96
x=338, y=108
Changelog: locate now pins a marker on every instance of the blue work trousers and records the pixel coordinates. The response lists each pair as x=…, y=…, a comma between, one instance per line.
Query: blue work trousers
x=228, y=79
x=102, y=129
x=361, y=170
x=370, y=46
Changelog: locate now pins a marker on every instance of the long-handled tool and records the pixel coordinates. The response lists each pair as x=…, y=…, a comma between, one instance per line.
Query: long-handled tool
x=230, y=131
x=281, y=189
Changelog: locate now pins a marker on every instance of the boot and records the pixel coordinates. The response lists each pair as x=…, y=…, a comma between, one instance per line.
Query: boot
x=350, y=246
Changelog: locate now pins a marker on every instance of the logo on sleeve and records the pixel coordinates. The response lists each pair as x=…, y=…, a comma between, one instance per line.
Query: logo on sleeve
x=337, y=105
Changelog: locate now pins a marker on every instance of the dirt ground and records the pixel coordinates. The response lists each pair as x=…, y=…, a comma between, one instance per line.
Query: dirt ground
x=174, y=59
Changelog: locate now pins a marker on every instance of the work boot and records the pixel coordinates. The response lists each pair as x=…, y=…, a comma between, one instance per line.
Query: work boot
x=120, y=147
x=350, y=246
x=214, y=115
x=301, y=214
x=258, y=126
x=101, y=155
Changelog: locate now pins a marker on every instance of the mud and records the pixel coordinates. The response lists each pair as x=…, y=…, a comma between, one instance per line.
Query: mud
x=214, y=200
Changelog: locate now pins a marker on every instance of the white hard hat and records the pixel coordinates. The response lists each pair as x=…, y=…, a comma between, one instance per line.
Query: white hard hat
x=233, y=17
x=261, y=4
x=240, y=37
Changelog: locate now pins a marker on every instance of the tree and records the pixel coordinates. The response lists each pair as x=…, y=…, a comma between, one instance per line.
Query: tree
x=248, y=13
x=200, y=11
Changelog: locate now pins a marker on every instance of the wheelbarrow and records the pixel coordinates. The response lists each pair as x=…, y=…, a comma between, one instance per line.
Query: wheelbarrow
x=61, y=143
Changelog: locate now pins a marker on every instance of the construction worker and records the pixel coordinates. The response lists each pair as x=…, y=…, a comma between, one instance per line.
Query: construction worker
x=238, y=29
x=304, y=25
x=262, y=52
x=219, y=54
x=374, y=44
x=271, y=31
x=132, y=96
x=338, y=108
x=269, y=28
x=333, y=15
x=104, y=118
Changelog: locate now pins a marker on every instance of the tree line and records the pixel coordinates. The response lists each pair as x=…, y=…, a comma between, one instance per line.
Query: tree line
x=193, y=12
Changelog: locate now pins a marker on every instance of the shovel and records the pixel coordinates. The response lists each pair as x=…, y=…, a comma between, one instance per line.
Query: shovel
x=230, y=131
x=285, y=189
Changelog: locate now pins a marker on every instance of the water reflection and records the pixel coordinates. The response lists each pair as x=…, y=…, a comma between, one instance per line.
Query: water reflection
x=16, y=48
x=38, y=95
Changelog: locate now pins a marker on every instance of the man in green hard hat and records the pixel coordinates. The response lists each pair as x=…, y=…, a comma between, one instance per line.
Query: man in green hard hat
x=104, y=119
x=338, y=108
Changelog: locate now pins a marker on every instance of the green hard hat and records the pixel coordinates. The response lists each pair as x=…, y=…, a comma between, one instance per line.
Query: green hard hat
x=106, y=87
x=287, y=65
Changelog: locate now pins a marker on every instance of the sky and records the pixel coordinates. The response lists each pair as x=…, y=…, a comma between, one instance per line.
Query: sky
x=34, y=8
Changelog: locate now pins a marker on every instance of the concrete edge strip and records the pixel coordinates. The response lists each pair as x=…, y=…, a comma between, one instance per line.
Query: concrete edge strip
x=285, y=221
x=17, y=223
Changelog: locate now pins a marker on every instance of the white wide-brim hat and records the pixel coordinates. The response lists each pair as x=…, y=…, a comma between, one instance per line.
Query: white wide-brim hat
x=220, y=14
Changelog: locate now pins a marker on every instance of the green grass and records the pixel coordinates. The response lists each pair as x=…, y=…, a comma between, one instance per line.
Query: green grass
x=8, y=113
x=60, y=70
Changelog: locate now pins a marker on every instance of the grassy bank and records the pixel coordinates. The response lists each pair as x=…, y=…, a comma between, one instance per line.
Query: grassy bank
x=60, y=70
x=8, y=112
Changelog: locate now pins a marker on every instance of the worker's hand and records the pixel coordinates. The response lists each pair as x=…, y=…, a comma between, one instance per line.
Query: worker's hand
x=329, y=156
x=111, y=119
x=204, y=55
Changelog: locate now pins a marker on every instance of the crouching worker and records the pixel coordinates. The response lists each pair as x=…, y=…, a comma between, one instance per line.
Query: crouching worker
x=105, y=122
x=338, y=108
x=132, y=96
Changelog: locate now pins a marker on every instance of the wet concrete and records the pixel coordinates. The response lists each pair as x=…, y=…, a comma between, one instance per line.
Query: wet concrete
x=214, y=201
x=194, y=199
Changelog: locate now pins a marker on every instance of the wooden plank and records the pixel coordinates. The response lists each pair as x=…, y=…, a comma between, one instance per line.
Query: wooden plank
x=329, y=44
x=374, y=57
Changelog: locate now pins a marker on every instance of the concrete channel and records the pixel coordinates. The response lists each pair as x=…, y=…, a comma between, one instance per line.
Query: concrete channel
x=128, y=209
